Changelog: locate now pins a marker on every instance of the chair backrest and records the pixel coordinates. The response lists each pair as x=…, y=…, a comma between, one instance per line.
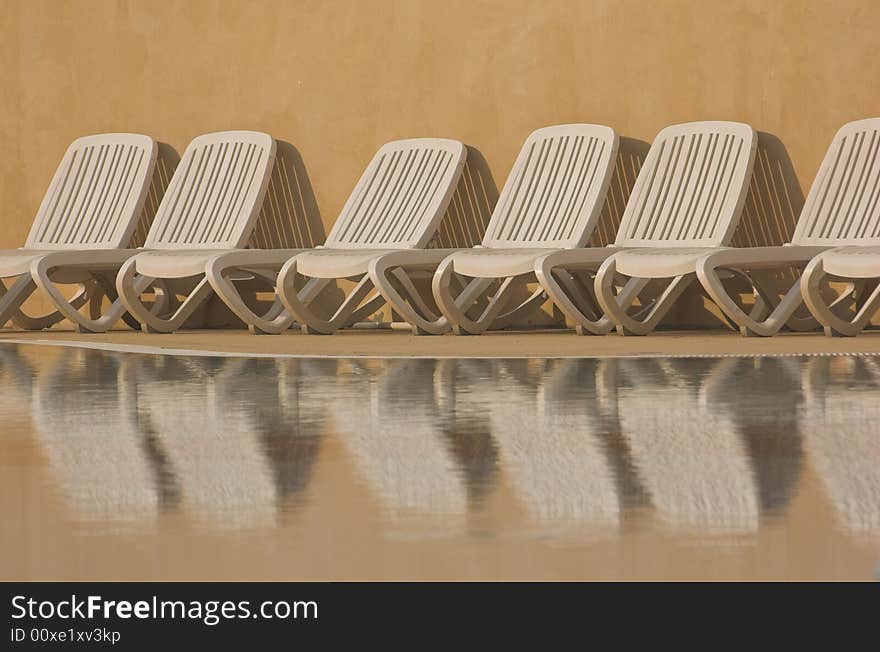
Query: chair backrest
x=692, y=186
x=843, y=205
x=402, y=195
x=554, y=194
x=97, y=193
x=216, y=192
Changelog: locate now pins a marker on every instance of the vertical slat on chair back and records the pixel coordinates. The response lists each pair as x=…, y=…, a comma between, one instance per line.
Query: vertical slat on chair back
x=216, y=192
x=97, y=193
x=691, y=188
x=843, y=206
x=402, y=195
x=555, y=191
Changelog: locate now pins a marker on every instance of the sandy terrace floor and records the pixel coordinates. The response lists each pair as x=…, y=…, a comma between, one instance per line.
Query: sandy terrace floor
x=507, y=344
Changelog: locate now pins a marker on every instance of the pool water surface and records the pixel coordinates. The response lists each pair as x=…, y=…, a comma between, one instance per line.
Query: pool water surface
x=133, y=466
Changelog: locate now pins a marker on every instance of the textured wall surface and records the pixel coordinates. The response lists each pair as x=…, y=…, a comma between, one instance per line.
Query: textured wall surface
x=338, y=78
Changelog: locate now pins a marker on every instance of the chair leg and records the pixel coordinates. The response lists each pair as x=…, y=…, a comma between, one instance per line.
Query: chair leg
x=108, y=287
x=529, y=305
x=297, y=301
x=363, y=310
x=499, y=301
x=13, y=297
x=276, y=319
x=707, y=271
x=41, y=272
x=834, y=326
x=130, y=285
x=784, y=311
x=455, y=309
x=574, y=304
x=415, y=312
x=616, y=305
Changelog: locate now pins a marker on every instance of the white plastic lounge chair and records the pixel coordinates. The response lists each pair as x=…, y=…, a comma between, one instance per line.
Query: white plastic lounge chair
x=210, y=207
x=686, y=201
x=89, y=212
x=397, y=204
x=552, y=200
x=841, y=209
x=858, y=260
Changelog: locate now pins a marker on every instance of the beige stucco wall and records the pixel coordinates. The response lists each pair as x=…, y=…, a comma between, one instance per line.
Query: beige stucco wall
x=338, y=78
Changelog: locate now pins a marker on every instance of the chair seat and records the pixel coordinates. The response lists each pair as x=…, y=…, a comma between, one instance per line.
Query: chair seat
x=852, y=262
x=497, y=263
x=337, y=263
x=14, y=262
x=657, y=262
x=175, y=263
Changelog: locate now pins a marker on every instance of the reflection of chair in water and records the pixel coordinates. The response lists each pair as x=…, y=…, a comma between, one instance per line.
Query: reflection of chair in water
x=396, y=433
x=762, y=397
x=689, y=456
x=525, y=373
x=16, y=379
x=554, y=444
x=464, y=417
x=84, y=418
x=211, y=439
x=281, y=400
x=839, y=423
